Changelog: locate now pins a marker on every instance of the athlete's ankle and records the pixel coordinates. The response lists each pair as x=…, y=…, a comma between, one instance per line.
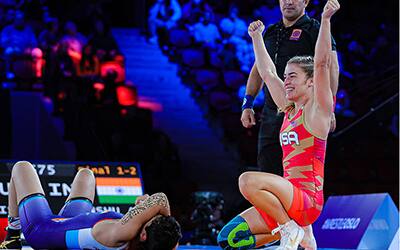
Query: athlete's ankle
x=14, y=222
x=13, y=232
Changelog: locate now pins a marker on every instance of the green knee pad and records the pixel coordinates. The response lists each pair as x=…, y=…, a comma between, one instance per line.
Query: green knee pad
x=236, y=235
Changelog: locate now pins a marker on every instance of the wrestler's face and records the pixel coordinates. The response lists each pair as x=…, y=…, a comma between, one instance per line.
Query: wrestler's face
x=292, y=9
x=296, y=83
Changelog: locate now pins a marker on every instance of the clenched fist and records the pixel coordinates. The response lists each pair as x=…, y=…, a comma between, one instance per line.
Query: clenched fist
x=256, y=27
x=248, y=119
x=330, y=8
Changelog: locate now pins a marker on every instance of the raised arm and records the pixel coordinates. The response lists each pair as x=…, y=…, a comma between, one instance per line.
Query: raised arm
x=322, y=60
x=334, y=72
x=265, y=66
x=334, y=76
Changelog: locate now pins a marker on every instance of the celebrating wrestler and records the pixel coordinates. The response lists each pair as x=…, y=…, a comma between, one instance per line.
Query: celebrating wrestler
x=148, y=225
x=286, y=204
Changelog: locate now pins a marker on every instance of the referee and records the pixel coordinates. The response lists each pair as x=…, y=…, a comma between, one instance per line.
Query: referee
x=294, y=35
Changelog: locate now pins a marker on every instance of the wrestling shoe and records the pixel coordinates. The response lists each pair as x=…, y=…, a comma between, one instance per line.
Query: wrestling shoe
x=291, y=235
x=12, y=240
x=308, y=242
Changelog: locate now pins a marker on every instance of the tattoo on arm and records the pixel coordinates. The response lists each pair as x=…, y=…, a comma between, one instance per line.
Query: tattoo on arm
x=157, y=199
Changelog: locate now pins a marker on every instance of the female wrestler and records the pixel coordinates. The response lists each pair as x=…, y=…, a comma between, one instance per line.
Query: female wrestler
x=148, y=225
x=286, y=204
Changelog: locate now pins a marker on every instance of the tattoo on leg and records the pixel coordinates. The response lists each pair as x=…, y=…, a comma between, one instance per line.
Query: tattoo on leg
x=154, y=200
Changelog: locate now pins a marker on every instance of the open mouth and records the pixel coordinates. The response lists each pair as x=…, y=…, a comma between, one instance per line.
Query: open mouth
x=289, y=90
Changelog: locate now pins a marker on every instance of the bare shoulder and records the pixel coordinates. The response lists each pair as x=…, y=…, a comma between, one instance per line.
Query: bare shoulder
x=317, y=121
x=104, y=232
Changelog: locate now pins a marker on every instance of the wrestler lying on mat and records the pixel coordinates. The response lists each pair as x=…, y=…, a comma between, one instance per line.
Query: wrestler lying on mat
x=148, y=225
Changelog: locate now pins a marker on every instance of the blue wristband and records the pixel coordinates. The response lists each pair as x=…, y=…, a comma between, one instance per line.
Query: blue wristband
x=247, y=102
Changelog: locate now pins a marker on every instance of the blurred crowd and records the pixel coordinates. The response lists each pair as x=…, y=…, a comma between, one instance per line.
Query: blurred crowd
x=209, y=42
x=67, y=51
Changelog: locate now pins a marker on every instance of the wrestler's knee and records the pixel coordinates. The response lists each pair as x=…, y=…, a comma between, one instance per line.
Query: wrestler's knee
x=85, y=173
x=236, y=234
x=247, y=184
x=21, y=166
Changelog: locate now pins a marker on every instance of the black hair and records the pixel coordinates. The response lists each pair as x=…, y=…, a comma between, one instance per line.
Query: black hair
x=163, y=233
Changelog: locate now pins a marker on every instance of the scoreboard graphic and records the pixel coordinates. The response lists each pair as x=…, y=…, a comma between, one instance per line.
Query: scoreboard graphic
x=117, y=184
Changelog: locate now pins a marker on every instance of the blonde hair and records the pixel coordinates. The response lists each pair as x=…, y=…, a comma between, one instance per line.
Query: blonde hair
x=306, y=63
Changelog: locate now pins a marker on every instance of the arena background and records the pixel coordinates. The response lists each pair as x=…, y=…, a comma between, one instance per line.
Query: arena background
x=170, y=108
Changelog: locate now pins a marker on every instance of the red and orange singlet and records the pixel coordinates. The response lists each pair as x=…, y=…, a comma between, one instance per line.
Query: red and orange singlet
x=303, y=165
x=303, y=156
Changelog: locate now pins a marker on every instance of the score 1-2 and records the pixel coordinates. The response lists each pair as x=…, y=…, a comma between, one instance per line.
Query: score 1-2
x=126, y=171
x=106, y=170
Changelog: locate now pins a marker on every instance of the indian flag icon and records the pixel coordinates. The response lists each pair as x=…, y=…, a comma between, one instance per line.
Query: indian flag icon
x=112, y=190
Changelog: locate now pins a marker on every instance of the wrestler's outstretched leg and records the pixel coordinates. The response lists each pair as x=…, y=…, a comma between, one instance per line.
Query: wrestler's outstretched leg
x=80, y=199
x=24, y=182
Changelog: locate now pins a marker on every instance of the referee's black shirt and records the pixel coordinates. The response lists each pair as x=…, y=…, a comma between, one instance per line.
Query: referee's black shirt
x=284, y=43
